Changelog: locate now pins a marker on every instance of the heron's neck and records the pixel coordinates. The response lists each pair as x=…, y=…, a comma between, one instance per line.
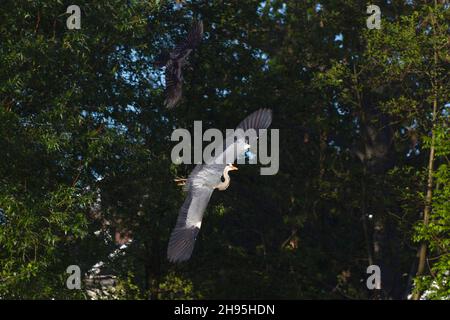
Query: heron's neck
x=226, y=182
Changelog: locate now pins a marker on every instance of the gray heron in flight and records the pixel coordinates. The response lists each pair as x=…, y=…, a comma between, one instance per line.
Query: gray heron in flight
x=174, y=63
x=201, y=183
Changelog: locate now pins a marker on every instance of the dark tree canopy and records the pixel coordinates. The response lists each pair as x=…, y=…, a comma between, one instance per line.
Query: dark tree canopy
x=363, y=114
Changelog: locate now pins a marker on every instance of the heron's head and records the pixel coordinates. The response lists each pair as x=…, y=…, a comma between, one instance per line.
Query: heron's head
x=231, y=167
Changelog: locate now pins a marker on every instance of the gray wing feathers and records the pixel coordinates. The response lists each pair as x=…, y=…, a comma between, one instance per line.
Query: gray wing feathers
x=181, y=243
x=182, y=239
x=260, y=119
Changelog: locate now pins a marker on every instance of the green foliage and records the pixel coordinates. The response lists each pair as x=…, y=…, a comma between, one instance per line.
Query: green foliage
x=85, y=143
x=173, y=287
x=436, y=232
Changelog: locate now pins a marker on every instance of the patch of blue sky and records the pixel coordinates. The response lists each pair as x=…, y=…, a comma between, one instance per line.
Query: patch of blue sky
x=446, y=110
x=102, y=117
x=340, y=110
x=264, y=57
x=319, y=7
x=339, y=37
x=333, y=144
x=231, y=43
x=272, y=12
x=256, y=53
x=222, y=93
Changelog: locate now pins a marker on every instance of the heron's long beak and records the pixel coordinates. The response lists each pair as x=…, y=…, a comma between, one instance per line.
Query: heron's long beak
x=232, y=167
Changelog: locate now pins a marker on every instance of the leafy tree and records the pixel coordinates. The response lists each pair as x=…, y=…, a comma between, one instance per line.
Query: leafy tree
x=86, y=148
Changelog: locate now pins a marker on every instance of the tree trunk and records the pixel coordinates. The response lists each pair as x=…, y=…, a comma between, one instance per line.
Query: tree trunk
x=429, y=196
x=428, y=200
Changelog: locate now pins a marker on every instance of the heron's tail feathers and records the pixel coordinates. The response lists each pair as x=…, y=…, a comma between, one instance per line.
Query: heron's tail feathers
x=181, y=243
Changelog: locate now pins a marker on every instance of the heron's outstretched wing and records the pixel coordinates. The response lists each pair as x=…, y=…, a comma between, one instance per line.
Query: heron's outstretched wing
x=199, y=188
x=192, y=40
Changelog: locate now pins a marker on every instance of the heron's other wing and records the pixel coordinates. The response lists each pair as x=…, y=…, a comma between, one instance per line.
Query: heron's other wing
x=234, y=144
x=260, y=119
x=174, y=86
x=192, y=40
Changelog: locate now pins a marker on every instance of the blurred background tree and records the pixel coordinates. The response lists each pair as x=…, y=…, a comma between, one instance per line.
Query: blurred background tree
x=85, y=144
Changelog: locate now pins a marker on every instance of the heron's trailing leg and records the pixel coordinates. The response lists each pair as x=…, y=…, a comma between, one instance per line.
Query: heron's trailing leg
x=180, y=181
